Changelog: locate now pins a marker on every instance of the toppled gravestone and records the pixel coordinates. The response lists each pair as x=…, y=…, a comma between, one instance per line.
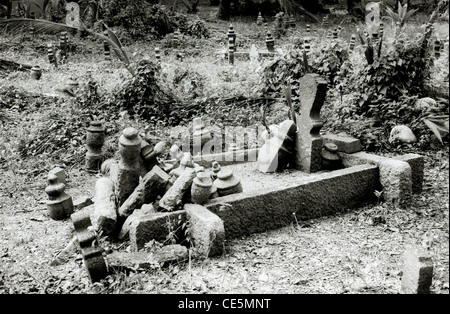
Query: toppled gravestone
x=164, y=256
x=278, y=150
x=91, y=251
x=173, y=197
x=153, y=184
x=104, y=216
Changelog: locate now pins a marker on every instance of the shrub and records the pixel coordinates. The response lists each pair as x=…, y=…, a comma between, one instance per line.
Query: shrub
x=137, y=17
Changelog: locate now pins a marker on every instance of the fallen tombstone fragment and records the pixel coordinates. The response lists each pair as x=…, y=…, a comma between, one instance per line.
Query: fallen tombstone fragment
x=92, y=253
x=153, y=184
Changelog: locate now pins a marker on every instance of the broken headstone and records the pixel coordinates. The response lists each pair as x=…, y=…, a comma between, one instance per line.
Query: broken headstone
x=138, y=212
x=104, y=216
x=153, y=184
x=92, y=253
x=173, y=197
x=278, y=151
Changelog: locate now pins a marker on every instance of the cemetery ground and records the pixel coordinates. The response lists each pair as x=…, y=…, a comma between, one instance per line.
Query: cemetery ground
x=359, y=251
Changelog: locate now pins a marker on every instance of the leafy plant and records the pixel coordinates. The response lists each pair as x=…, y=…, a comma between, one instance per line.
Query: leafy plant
x=438, y=125
x=402, y=15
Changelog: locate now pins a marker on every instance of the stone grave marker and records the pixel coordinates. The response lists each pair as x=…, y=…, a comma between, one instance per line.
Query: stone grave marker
x=73, y=15
x=372, y=16
x=308, y=142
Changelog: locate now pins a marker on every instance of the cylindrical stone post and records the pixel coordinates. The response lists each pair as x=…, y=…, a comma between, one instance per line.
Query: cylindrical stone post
x=129, y=167
x=94, y=142
x=325, y=21
x=63, y=46
x=352, y=42
x=307, y=45
x=32, y=31
x=231, y=34
x=106, y=48
x=230, y=51
x=201, y=135
x=270, y=43
x=51, y=54
x=292, y=21
x=104, y=216
x=286, y=21
x=157, y=54
x=176, y=38
x=335, y=34
x=437, y=48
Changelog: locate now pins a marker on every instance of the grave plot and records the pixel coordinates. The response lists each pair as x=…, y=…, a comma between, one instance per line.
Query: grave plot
x=297, y=174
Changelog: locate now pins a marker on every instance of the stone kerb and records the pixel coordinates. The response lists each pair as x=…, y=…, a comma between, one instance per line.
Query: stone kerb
x=317, y=195
x=154, y=226
x=206, y=229
x=395, y=176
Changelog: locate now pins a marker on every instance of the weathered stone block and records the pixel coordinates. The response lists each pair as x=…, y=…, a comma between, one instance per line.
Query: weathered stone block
x=395, y=176
x=173, y=197
x=129, y=260
x=278, y=151
x=345, y=144
x=206, y=229
x=227, y=158
x=417, y=271
x=155, y=226
x=138, y=212
x=153, y=184
x=416, y=163
x=314, y=196
x=172, y=253
x=104, y=216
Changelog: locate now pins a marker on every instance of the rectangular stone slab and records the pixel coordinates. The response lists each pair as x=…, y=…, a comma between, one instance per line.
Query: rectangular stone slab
x=153, y=226
x=345, y=144
x=227, y=158
x=314, y=196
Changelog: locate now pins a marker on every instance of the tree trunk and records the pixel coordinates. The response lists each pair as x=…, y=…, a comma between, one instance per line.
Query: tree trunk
x=224, y=10
x=8, y=9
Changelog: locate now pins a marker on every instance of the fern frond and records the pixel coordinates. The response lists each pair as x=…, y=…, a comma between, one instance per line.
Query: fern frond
x=121, y=54
x=42, y=26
